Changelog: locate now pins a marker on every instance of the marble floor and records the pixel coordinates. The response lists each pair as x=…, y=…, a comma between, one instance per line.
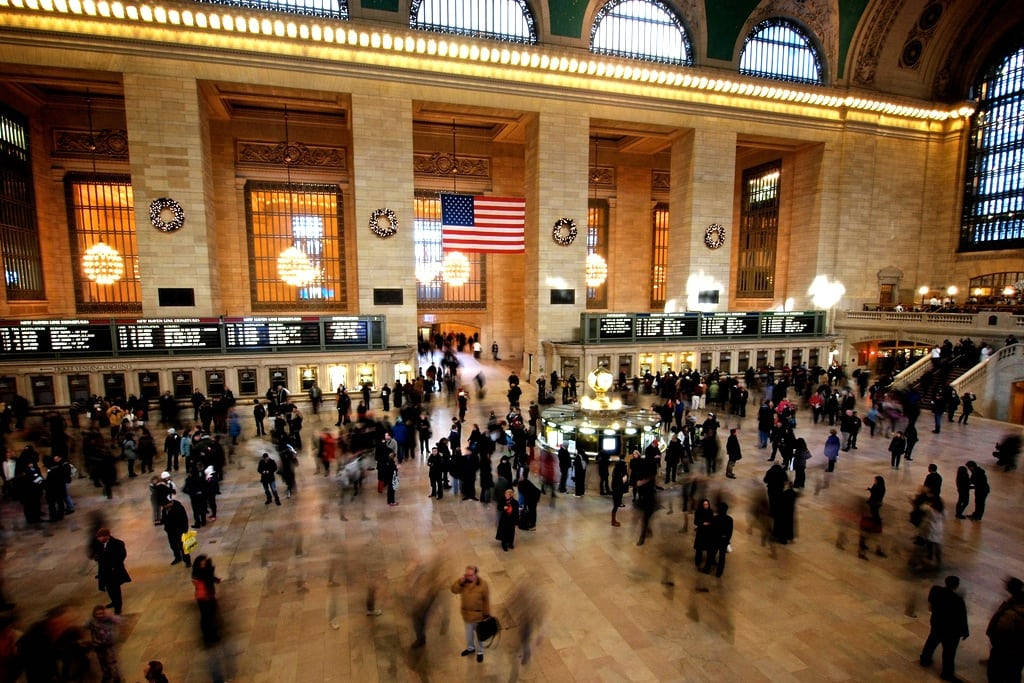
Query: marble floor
x=296, y=577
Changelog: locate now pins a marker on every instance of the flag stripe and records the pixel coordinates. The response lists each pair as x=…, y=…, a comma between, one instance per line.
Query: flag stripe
x=483, y=224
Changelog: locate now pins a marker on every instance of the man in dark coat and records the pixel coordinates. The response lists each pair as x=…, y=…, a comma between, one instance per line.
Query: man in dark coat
x=948, y=626
x=175, y=522
x=732, y=451
x=528, y=513
x=979, y=482
x=110, y=555
x=564, y=463
x=719, y=538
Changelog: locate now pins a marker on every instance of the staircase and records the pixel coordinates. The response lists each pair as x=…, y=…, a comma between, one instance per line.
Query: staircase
x=932, y=381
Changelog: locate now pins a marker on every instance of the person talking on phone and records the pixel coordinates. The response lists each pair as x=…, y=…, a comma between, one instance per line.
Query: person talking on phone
x=475, y=604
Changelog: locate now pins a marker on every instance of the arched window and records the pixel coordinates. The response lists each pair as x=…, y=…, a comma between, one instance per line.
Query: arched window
x=335, y=9
x=993, y=213
x=779, y=49
x=509, y=20
x=640, y=29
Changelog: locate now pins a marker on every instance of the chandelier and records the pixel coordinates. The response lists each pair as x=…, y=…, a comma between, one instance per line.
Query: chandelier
x=455, y=269
x=595, y=271
x=295, y=268
x=102, y=264
x=427, y=272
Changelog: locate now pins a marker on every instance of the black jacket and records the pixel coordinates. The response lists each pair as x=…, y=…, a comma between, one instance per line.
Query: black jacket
x=174, y=518
x=267, y=469
x=732, y=448
x=949, y=613
x=110, y=560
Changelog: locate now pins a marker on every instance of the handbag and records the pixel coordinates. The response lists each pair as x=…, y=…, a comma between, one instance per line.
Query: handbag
x=487, y=629
x=189, y=541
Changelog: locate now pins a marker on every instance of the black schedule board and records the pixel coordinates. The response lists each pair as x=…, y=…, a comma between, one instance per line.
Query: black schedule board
x=728, y=325
x=55, y=337
x=346, y=331
x=168, y=335
x=667, y=326
x=615, y=327
x=255, y=333
x=795, y=324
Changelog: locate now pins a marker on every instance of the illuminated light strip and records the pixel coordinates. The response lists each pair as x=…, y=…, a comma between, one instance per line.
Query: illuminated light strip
x=467, y=51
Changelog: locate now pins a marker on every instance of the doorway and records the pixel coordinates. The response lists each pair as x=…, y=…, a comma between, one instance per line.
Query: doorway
x=1016, y=414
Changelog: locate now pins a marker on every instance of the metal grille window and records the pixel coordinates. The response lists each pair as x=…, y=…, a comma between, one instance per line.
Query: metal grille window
x=993, y=213
x=779, y=49
x=307, y=217
x=640, y=29
x=334, y=9
x=659, y=255
x=597, y=243
x=431, y=291
x=101, y=208
x=508, y=20
x=759, y=228
x=19, y=231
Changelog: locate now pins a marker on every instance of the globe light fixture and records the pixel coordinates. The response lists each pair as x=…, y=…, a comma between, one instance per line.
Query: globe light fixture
x=427, y=272
x=455, y=269
x=952, y=290
x=595, y=270
x=102, y=264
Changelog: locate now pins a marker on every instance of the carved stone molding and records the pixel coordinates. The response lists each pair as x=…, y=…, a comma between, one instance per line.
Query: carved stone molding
x=300, y=155
x=876, y=32
x=602, y=176
x=661, y=182
x=73, y=143
x=442, y=164
x=921, y=33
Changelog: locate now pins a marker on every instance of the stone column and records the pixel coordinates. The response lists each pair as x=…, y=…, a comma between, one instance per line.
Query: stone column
x=557, y=159
x=168, y=142
x=383, y=178
x=703, y=167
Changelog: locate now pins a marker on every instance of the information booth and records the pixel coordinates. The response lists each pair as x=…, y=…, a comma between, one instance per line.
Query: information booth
x=42, y=390
x=247, y=382
x=78, y=389
x=215, y=383
x=182, y=380
x=113, y=386
x=149, y=385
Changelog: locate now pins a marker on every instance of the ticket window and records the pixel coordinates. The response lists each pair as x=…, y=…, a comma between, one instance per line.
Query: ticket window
x=215, y=383
x=182, y=380
x=403, y=371
x=113, y=386
x=604, y=363
x=762, y=359
x=687, y=361
x=570, y=366
x=780, y=358
x=247, y=382
x=668, y=362
x=705, y=362
x=42, y=390
x=8, y=388
x=725, y=362
x=626, y=365
x=149, y=385
x=742, y=361
x=798, y=358
x=366, y=374
x=337, y=375
x=278, y=378
x=646, y=364
x=79, y=390
x=812, y=357
x=307, y=377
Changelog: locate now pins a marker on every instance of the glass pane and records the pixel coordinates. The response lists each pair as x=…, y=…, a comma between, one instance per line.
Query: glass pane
x=640, y=29
x=508, y=20
x=780, y=50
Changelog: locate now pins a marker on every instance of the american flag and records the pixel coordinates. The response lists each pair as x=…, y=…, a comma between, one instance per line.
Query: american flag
x=483, y=224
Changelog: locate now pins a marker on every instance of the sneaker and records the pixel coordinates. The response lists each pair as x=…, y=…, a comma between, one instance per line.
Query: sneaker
x=479, y=658
x=374, y=612
x=468, y=652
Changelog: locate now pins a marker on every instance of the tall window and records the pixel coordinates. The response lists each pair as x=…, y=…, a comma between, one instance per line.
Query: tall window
x=19, y=232
x=308, y=218
x=508, y=20
x=779, y=49
x=101, y=208
x=431, y=290
x=597, y=243
x=993, y=213
x=640, y=29
x=759, y=229
x=659, y=255
x=334, y=9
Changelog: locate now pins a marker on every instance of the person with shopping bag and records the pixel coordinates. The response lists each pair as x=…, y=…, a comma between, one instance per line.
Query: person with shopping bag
x=175, y=523
x=475, y=605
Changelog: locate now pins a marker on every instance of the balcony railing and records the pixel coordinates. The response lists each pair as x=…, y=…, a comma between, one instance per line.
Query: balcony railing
x=963, y=321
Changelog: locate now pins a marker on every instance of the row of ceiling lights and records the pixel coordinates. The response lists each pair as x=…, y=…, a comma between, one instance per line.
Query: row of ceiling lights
x=469, y=51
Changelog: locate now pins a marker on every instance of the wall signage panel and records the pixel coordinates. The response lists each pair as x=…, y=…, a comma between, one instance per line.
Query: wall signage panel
x=606, y=328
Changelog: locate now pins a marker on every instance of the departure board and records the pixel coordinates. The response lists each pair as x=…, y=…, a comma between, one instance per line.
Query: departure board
x=172, y=334
x=255, y=333
x=666, y=326
x=346, y=331
x=615, y=327
x=52, y=337
x=728, y=325
x=789, y=324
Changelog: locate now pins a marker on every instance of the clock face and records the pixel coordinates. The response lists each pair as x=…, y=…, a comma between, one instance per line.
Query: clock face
x=166, y=215
x=714, y=236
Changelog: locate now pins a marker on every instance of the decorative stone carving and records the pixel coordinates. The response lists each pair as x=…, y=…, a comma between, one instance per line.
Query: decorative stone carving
x=921, y=33
x=820, y=16
x=875, y=33
x=890, y=275
x=297, y=154
x=602, y=176
x=446, y=165
x=76, y=143
x=661, y=181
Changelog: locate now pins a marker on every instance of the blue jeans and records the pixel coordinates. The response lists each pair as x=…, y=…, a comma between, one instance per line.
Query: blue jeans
x=472, y=642
x=938, y=421
x=762, y=439
x=455, y=486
